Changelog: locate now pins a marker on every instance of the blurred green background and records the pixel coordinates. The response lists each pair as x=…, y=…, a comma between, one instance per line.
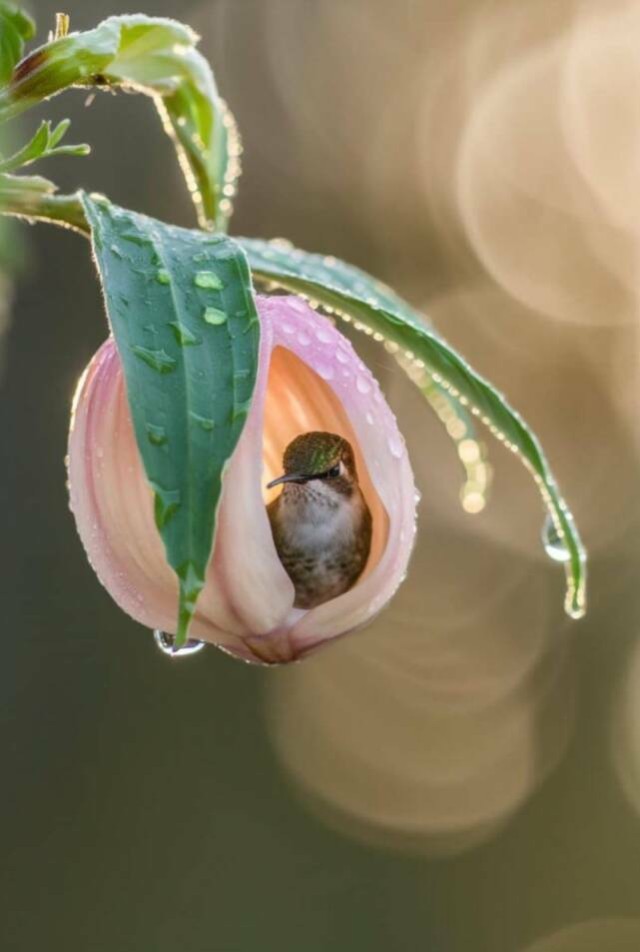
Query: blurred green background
x=465, y=775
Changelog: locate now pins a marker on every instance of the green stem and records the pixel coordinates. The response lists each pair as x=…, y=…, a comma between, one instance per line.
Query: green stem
x=63, y=210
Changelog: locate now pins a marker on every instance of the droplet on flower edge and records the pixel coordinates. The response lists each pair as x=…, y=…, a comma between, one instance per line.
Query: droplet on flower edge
x=166, y=644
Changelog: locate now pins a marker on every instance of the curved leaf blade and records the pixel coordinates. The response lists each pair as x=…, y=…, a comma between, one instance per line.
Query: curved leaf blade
x=189, y=383
x=350, y=292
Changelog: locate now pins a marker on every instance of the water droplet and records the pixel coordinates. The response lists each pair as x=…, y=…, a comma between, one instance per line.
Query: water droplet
x=214, y=316
x=205, y=423
x=369, y=419
x=167, y=503
x=240, y=410
x=554, y=544
x=362, y=384
x=156, y=359
x=183, y=335
x=116, y=251
x=207, y=279
x=324, y=335
x=396, y=446
x=288, y=328
x=157, y=435
x=166, y=643
x=303, y=339
x=324, y=370
x=297, y=305
x=163, y=276
x=342, y=356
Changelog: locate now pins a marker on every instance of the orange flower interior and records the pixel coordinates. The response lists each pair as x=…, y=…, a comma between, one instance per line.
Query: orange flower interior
x=298, y=401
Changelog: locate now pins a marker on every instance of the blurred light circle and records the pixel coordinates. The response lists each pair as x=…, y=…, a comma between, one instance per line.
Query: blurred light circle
x=430, y=729
x=527, y=212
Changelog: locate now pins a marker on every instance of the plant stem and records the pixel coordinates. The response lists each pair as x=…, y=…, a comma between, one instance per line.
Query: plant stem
x=63, y=210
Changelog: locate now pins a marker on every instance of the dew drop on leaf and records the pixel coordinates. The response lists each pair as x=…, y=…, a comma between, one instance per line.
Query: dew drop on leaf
x=163, y=276
x=205, y=423
x=207, y=279
x=183, y=335
x=212, y=315
x=156, y=359
x=553, y=542
x=157, y=435
x=166, y=645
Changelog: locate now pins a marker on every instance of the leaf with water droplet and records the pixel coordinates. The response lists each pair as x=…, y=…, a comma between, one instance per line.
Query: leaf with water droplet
x=163, y=276
x=208, y=280
x=158, y=360
x=205, y=423
x=174, y=412
x=183, y=335
x=554, y=544
x=157, y=435
x=214, y=316
x=167, y=503
x=354, y=294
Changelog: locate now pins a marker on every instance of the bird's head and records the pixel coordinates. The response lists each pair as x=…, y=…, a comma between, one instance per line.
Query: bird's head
x=318, y=460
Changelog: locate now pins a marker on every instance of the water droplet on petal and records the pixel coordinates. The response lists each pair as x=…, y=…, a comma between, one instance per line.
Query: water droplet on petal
x=554, y=544
x=363, y=385
x=303, y=339
x=396, y=446
x=166, y=643
x=207, y=279
x=324, y=335
x=342, y=356
x=288, y=328
x=297, y=305
x=369, y=419
x=324, y=370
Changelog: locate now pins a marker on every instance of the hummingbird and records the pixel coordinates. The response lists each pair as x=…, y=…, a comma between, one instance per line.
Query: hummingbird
x=321, y=523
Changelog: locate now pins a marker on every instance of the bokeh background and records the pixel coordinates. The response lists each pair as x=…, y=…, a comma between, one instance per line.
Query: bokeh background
x=465, y=775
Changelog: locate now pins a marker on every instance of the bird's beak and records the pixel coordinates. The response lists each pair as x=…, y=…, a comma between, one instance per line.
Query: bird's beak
x=289, y=478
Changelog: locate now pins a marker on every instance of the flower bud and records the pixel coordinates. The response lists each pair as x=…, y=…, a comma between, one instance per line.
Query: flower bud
x=309, y=379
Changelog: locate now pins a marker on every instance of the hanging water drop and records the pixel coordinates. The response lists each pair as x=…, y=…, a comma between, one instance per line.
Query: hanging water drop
x=554, y=544
x=166, y=644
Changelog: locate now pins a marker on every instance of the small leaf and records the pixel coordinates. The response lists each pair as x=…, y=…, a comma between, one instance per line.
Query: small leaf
x=350, y=292
x=42, y=146
x=188, y=403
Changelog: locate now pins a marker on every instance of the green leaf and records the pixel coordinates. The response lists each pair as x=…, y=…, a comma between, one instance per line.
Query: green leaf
x=43, y=145
x=19, y=19
x=189, y=383
x=157, y=57
x=353, y=294
x=15, y=28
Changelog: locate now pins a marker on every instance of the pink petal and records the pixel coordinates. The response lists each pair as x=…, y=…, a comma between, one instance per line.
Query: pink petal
x=309, y=378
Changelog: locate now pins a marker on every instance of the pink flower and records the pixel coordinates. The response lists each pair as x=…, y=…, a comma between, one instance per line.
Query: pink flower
x=309, y=378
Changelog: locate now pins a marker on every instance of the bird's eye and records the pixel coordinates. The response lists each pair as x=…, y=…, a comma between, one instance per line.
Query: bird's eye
x=334, y=472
